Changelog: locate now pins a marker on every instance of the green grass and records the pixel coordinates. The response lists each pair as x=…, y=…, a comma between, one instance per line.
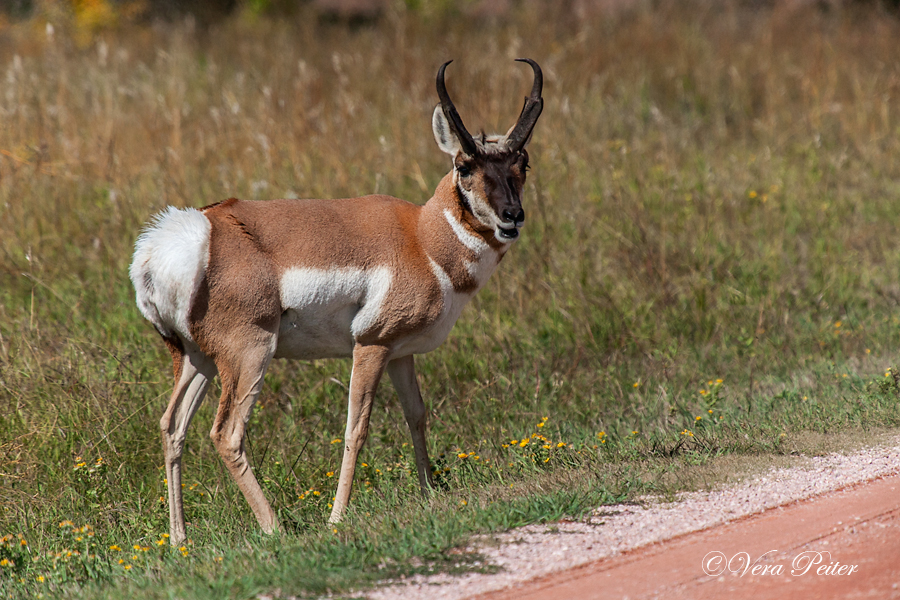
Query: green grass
x=713, y=197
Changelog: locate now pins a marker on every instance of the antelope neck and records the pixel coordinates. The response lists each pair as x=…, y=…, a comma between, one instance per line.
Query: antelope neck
x=468, y=256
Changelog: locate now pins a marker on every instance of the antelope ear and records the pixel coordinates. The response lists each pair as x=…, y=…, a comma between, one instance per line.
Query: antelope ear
x=443, y=135
x=527, y=140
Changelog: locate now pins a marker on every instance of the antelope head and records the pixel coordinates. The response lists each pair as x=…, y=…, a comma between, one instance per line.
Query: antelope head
x=489, y=171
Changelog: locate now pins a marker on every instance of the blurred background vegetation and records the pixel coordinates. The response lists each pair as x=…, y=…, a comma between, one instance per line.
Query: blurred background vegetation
x=708, y=269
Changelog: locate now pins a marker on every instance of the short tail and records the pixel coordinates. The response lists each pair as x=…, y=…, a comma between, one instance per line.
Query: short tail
x=170, y=259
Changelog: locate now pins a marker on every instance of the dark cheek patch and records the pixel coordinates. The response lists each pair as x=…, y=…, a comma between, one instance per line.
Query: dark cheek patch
x=463, y=200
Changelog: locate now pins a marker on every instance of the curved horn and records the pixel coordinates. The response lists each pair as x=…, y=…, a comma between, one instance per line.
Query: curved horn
x=534, y=104
x=465, y=140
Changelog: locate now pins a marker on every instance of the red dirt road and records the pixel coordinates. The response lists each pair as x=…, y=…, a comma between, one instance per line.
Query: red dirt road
x=845, y=544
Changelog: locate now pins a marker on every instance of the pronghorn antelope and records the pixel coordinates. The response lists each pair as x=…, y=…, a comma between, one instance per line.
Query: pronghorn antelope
x=235, y=284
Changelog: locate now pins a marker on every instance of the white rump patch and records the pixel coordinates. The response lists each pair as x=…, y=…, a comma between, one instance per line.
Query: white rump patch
x=327, y=309
x=170, y=259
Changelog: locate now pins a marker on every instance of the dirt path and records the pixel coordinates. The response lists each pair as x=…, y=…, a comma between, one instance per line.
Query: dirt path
x=842, y=545
x=845, y=504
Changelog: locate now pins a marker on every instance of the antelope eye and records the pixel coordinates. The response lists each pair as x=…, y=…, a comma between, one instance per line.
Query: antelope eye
x=463, y=170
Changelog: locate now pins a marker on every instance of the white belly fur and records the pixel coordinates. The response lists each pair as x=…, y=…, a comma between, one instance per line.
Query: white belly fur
x=324, y=310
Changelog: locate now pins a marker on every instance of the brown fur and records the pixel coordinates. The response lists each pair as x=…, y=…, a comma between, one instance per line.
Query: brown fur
x=176, y=349
x=252, y=244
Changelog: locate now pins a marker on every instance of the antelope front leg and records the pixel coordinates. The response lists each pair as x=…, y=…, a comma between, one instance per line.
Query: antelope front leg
x=368, y=365
x=402, y=372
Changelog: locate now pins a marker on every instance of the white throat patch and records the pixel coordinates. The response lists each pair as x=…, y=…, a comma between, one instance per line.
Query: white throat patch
x=472, y=242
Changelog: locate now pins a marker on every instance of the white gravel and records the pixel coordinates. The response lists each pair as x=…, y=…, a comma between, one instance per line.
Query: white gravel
x=537, y=550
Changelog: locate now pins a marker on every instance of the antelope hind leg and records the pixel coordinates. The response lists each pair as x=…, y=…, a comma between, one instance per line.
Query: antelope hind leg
x=194, y=370
x=241, y=384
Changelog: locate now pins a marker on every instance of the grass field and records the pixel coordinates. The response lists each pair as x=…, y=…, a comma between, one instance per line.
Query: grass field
x=709, y=269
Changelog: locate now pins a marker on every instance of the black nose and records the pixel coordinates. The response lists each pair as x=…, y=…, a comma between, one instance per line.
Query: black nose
x=518, y=217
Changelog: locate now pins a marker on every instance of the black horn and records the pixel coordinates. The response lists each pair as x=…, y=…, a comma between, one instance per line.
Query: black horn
x=534, y=104
x=456, y=124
